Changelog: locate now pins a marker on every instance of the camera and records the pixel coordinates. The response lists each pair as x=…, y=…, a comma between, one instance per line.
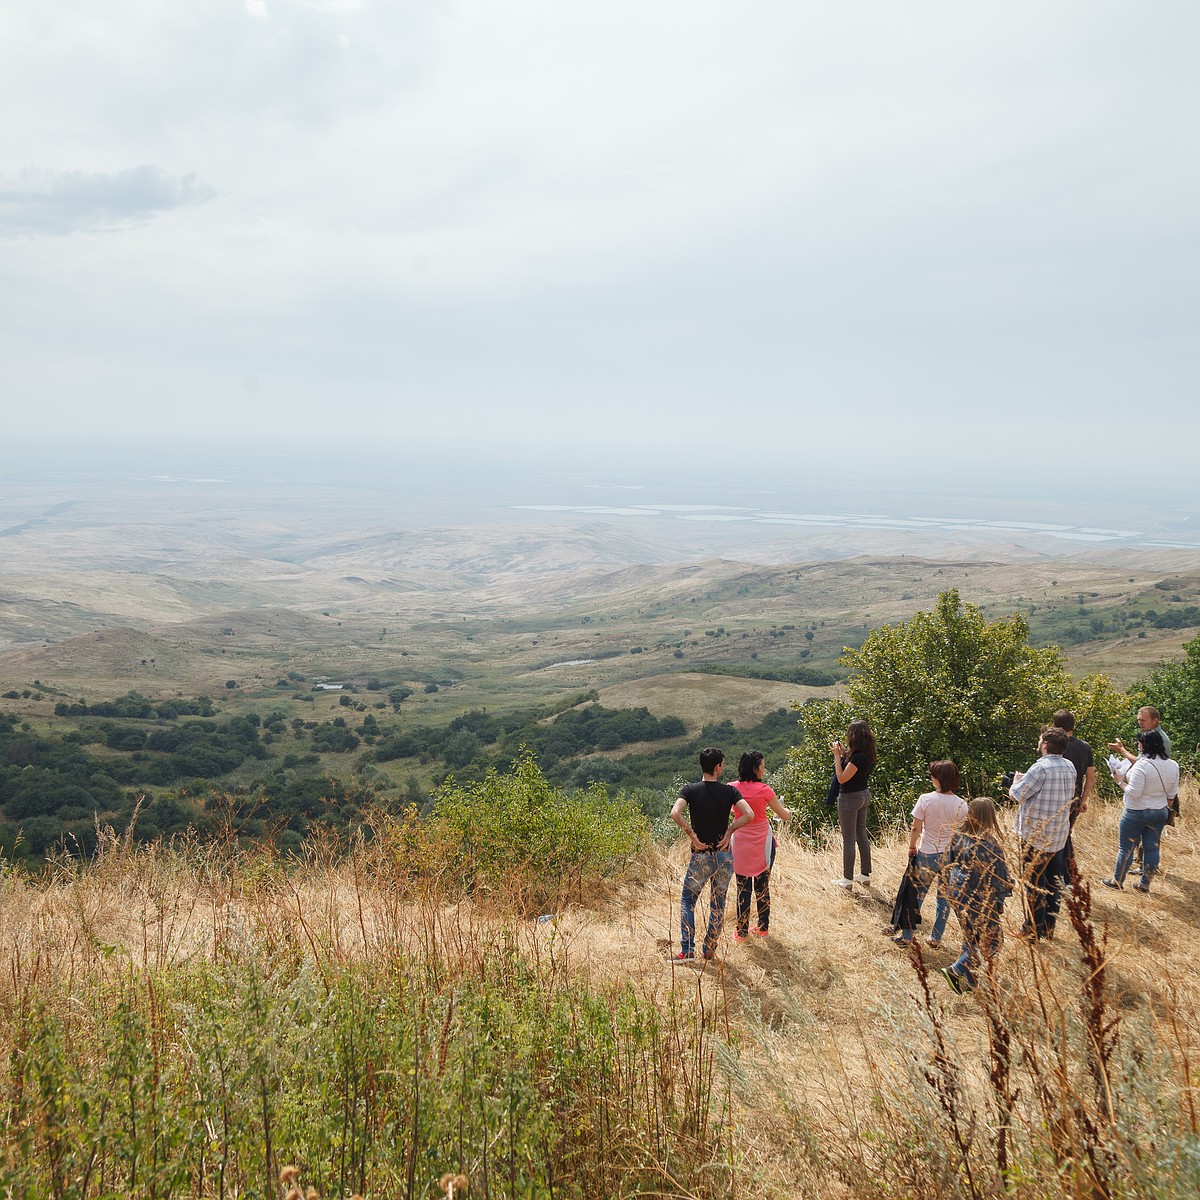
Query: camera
x=1006, y=780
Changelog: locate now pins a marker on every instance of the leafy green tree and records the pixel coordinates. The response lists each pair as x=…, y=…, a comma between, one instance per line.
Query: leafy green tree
x=947, y=684
x=460, y=748
x=1174, y=689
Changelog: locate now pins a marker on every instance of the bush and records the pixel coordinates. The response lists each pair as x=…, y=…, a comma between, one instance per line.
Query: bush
x=1174, y=689
x=517, y=833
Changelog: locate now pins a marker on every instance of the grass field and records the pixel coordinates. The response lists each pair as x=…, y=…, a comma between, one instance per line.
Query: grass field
x=534, y=638
x=821, y=1062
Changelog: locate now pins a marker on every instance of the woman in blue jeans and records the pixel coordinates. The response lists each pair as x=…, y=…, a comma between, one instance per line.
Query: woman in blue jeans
x=977, y=885
x=1150, y=783
x=936, y=817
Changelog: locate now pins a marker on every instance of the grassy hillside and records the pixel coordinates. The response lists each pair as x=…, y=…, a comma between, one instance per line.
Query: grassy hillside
x=192, y=1021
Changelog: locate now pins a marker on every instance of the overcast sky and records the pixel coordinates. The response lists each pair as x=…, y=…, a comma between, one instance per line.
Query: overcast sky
x=944, y=231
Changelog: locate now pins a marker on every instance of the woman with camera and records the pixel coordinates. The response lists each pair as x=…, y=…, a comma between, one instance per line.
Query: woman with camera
x=852, y=766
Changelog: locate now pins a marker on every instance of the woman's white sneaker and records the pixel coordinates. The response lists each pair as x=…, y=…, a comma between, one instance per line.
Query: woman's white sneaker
x=866, y=879
x=844, y=883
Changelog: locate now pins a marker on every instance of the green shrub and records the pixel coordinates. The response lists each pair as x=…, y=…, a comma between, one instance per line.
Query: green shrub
x=518, y=833
x=376, y=1077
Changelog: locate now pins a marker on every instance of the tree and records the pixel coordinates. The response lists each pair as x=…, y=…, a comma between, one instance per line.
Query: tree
x=460, y=748
x=948, y=684
x=1174, y=689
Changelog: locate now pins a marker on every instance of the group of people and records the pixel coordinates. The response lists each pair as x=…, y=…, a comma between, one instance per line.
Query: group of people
x=717, y=857
x=952, y=842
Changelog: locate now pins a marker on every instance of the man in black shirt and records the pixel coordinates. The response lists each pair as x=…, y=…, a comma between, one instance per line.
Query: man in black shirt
x=1080, y=754
x=709, y=804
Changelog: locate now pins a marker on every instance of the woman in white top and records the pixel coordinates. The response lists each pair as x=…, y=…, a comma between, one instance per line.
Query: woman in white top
x=936, y=817
x=1150, y=784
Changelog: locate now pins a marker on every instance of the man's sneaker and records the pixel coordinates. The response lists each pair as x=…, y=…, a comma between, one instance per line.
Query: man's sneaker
x=843, y=883
x=739, y=937
x=865, y=880
x=1141, y=887
x=1112, y=883
x=954, y=979
x=766, y=932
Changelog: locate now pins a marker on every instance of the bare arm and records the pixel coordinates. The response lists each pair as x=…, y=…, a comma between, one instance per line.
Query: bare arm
x=1089, y=786
x=843, y=771
x=781, y=810
x=745, y=819
x=914, y=836
x=677, y=816
x=1119, y=747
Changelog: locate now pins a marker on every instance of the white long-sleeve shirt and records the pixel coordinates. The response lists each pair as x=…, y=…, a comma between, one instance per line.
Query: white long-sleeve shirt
x=1151, y=782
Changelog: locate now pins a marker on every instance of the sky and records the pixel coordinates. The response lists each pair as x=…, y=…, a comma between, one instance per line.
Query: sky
x=936, y=238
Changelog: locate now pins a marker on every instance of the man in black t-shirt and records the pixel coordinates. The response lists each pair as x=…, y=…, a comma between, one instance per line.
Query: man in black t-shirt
x=709, y=804
x=1080, y=754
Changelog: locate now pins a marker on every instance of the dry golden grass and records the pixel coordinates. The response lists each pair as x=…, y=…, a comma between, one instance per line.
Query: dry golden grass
x=824, y=1020
x=698, y=699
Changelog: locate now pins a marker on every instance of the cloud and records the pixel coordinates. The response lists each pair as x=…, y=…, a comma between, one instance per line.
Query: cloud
x=257, y=8
x=61, y=202
x=514, y=217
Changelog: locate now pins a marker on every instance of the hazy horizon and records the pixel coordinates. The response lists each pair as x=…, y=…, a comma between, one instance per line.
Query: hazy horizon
x=338, y=489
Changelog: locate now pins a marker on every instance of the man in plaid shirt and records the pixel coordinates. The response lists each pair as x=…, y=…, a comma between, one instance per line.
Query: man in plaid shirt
x=1044, y=795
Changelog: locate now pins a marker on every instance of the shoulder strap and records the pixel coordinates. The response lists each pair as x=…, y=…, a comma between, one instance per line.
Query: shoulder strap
x=1161, y=782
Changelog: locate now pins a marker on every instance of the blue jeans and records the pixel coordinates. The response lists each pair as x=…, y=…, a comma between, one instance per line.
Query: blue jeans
x=1142, y=826
x=929, y=868
x=714, y=867
x=982, y=938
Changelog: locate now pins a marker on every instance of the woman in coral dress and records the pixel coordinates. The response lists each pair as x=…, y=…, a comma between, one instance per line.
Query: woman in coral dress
x=754, y=846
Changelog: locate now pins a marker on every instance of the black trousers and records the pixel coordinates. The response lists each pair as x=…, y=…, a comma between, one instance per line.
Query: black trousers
x=760, y=886
x=1043, y=871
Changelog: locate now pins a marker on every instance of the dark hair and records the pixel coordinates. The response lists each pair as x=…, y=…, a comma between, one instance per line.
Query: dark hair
x=980, y=820
x=748, y=766
x=710, y=759
x=1065, y=719
x=947, y=775
x=1055, y=739
x=1152, y=744
x=861, y=740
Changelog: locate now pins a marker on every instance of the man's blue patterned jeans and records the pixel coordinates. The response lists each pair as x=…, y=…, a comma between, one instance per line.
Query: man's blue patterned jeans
x=714, y=867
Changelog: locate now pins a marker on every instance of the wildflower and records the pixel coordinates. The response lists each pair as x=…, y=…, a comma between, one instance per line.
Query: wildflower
x=453, y=1185
x=289, y=1175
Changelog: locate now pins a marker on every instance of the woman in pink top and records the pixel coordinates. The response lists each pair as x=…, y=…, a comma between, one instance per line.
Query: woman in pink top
x=754, y=846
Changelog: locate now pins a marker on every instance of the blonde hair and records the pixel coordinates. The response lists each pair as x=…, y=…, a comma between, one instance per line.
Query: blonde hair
x=980, y=820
